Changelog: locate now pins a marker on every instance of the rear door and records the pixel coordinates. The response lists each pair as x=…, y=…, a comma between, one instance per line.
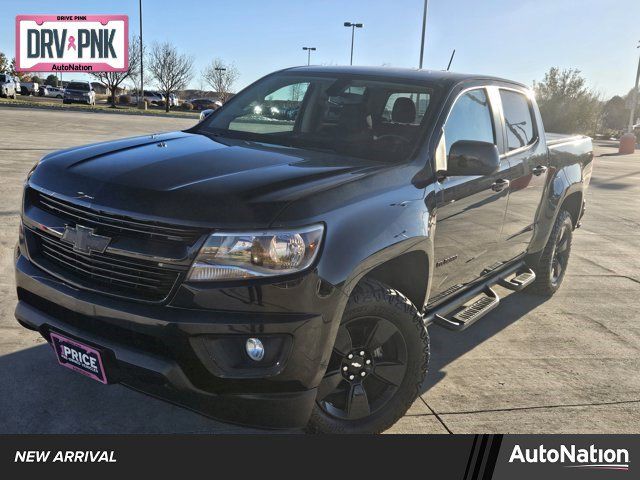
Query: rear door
x=528, y=167
x=470, y=209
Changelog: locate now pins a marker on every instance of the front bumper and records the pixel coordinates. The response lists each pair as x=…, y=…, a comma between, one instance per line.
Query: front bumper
x=195, y=357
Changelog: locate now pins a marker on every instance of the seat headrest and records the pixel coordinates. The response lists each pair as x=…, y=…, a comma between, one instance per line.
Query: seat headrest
x=352, y=118
x=404, y=110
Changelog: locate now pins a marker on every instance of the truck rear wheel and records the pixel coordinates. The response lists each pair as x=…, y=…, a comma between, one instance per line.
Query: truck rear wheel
x=378, y=363
x=552, y=266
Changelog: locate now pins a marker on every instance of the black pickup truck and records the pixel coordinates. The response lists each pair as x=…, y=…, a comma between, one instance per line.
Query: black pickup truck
x=278, y=263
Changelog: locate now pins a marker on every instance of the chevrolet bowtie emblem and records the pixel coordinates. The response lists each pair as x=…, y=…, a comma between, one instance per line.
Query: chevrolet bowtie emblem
x=84, y=240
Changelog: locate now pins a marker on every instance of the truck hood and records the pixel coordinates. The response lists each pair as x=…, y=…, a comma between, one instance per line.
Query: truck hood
x=191, y=178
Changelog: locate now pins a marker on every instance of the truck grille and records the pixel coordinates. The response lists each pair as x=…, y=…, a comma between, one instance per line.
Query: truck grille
x=110, y=224
x=114, y=274
x=118, y=271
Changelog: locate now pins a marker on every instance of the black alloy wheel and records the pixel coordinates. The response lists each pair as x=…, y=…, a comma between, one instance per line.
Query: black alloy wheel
x=368, y=364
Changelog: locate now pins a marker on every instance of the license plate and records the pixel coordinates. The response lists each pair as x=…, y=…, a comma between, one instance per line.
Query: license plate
x=78, y=357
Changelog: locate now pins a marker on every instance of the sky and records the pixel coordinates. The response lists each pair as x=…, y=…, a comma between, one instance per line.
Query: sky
x=516, y=39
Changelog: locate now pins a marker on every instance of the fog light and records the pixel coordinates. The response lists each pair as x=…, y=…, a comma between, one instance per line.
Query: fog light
x=255, y=349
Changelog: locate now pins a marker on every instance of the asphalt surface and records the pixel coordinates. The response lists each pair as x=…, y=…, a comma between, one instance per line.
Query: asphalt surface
x=569, y=364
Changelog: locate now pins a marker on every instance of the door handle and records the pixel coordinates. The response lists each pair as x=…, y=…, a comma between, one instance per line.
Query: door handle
x=539, y=170
x=499, y=185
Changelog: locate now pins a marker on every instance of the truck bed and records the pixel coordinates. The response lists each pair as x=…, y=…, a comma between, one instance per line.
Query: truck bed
x=554, y=139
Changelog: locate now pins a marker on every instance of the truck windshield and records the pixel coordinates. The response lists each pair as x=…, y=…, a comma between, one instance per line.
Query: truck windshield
x=78, y=86
x=352, y=115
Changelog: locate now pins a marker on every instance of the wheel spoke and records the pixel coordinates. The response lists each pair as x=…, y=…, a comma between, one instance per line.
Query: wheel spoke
x=391, y=373
x=329, y=383
x=382, y=331
x=563, y=244
x=357, y=402
x=343, y=344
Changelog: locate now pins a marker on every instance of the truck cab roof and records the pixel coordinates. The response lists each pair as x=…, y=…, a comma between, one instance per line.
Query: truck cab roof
x=444, y=78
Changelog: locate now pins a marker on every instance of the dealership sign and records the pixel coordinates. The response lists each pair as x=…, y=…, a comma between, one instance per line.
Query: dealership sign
x=72, y=43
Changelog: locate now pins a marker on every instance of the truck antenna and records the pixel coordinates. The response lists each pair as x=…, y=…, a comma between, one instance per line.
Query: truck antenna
x=451, y=59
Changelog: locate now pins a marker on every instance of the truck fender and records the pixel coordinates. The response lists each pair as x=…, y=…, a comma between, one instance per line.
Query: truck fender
x=563, y=182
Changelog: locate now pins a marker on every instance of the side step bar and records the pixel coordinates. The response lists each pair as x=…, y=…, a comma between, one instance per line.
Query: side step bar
x=470, y=314
x=520, y=281
x=454, y=315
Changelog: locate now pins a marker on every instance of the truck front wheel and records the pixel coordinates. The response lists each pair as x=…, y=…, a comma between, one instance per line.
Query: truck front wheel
x=550, y=269
x=378, y=363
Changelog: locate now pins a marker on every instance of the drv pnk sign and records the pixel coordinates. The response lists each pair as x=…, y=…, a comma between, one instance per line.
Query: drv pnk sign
x=72, y=43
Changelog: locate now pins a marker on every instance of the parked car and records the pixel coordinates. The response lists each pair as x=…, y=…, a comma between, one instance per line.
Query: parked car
x=79, y=92
x=29, y=88
x=203, y=103
x=150, y=96
x=7, y=86
x=299, y=291
x=50, y=91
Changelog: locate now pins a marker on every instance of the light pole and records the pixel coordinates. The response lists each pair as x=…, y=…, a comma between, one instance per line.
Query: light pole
x=353, y=32
x=141, y=93
x=309, y=50
x=424, y=31
x=634, y=97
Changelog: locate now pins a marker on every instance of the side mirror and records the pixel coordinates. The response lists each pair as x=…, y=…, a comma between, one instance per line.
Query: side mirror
x=205, y=113
x=470, y=157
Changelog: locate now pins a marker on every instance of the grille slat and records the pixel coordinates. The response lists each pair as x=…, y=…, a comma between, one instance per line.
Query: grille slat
x=103, y=272
x=93, y=268
x=110, y=260
x=94, y=274
x=111, y=223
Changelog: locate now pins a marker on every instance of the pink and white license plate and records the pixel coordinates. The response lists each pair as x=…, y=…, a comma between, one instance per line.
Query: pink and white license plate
x=78, y=357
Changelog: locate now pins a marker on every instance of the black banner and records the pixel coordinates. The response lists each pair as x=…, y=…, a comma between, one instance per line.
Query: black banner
x=457, y=457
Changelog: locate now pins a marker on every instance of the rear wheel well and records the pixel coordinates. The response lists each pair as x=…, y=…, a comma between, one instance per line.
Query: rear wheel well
x=573, y=205
x=407, y=273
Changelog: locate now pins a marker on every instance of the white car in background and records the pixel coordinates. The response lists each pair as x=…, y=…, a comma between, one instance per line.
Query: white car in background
x=7, y=86
x=53, y=92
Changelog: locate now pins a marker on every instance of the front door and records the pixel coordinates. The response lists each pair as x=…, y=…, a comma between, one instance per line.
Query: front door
x=528, y=166
x=470, y=209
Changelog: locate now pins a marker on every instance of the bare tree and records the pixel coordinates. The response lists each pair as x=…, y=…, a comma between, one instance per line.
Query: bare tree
x=221, y=77
x=171, y=70
x=4, y=64
x=112, y=80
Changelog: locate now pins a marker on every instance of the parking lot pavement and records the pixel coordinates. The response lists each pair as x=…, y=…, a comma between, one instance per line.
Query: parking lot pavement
x=569, y=364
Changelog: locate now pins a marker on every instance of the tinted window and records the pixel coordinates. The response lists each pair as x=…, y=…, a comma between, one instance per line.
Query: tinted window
x=517, y=118
x=351, y=115
x=420, y=101
x=78, y=86
x=470, y=119
x=275, y=113
x=3, y=78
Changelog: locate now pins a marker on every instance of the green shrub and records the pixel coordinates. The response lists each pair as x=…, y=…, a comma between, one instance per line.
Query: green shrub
x=187, y=106
x=124, y=100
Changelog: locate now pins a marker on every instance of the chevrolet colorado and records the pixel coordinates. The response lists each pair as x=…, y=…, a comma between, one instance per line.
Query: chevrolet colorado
x=278, y=263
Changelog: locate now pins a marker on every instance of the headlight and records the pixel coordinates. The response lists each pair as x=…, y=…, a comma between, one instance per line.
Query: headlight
x=245, y=255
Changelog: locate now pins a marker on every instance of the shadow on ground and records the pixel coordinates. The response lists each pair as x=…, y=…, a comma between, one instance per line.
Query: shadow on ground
x=447, y=346
x=39, y=396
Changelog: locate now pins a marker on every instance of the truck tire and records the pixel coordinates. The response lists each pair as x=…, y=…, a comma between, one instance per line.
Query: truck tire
x=378, y=363
x=552, y=265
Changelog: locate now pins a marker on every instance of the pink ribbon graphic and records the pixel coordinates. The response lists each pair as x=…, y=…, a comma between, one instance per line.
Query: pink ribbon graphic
x=72, y=43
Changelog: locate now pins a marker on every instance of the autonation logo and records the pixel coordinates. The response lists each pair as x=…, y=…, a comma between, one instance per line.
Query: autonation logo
x=589, y=458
